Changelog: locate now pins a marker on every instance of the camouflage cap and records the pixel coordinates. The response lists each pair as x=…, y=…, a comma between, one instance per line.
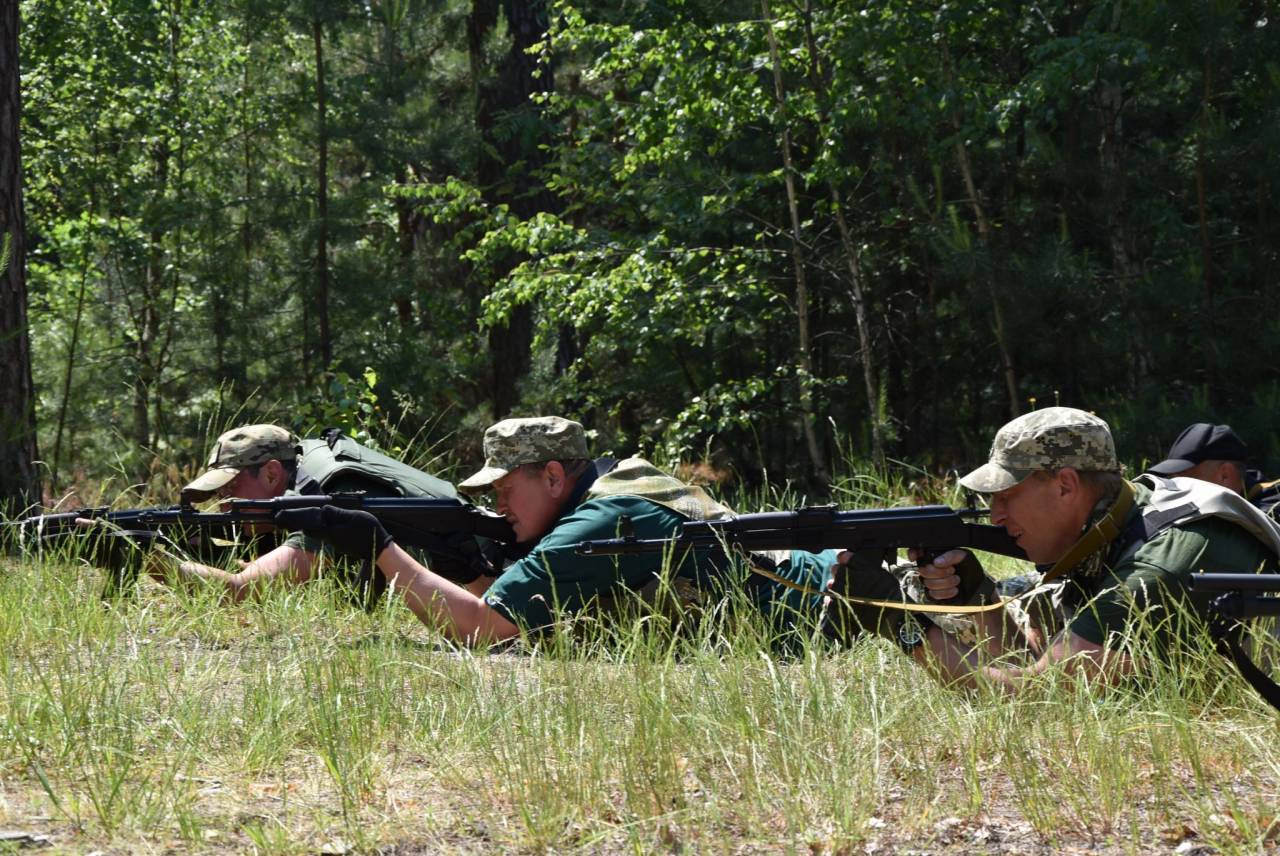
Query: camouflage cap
x=1047, y=439
x=240, y=448
x=513, y=442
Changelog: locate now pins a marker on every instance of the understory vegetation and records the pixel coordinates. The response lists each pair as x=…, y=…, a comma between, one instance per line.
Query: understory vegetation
x=732, y=230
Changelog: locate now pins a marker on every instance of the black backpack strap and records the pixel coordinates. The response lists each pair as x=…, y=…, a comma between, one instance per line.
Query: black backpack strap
x=1144, y=527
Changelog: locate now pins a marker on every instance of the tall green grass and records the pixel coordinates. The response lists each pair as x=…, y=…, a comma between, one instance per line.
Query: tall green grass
x=168, y=720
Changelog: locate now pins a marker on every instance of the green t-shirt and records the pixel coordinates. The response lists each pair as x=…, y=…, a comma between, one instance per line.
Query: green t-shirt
x=555, y=578
x=1152, y=587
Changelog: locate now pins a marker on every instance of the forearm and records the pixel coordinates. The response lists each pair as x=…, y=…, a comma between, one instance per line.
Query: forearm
x=456, y=611
x=289, y=563
x=956, y=663
x=947, y=659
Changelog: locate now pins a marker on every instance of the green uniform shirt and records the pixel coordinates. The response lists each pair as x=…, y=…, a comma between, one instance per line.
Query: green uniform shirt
x=1152, y=587
x=554, y=578
x=787, y=607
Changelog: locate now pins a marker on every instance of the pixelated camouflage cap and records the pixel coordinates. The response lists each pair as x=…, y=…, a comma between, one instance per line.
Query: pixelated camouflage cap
x=240, y=448
x=513, y=442
x=1047, y=439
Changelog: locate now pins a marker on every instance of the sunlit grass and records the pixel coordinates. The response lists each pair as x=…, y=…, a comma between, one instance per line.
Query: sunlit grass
x=168, y=720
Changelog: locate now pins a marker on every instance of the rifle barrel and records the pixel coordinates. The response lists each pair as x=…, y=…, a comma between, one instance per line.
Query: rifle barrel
x=932, y=527
x=1235, y=582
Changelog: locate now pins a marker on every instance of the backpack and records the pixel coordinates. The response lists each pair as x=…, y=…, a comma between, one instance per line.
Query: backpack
x=336, y=463
x=1179, y=501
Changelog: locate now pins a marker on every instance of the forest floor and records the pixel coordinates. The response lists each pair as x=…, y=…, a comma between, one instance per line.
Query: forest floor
x=168, y=722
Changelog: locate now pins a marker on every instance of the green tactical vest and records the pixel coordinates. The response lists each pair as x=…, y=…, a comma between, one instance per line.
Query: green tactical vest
x=337, y=457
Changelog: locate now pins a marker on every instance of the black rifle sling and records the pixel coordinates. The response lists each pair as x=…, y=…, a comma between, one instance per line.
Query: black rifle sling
x=1226, y=633
x=1227, y=640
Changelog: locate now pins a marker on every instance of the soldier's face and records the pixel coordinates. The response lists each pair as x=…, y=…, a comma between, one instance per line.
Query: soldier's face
x=1225, y=473
x=1043, y=513
x=529, y=501
x=263, y=482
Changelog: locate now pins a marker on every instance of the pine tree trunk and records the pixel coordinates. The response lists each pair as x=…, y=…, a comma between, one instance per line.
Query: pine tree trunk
x=19, y=478
x=984, y=236
x=497, y=95
x=852, y=257
x=804, y=345
x=322, y=205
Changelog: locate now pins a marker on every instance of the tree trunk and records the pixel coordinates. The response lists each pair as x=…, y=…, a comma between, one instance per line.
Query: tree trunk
x=322, y=205
x=65, y=405
x=804, y=353
x=19, y=478
x=984, y=237
x=1120, y=239
x=504, y=96
x=1206, y=240
x=849, y=248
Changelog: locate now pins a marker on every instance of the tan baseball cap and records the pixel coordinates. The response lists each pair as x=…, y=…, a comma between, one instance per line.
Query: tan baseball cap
x=1047, y=439
x=241, y=448
x=513, y=442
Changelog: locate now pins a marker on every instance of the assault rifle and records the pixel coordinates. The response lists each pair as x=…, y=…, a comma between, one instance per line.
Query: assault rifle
x=442, y=527
x=1239, y=597
x=932, y=528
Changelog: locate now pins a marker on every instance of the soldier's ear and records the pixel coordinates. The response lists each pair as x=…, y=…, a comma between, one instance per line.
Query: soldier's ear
x=274, y=472
x=553, y=476
x=1068, y=480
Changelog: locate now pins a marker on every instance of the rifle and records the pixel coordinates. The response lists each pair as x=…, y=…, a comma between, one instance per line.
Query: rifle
x=440, y=526
x=1241, y=596
x=932, y=528
x=119, y=544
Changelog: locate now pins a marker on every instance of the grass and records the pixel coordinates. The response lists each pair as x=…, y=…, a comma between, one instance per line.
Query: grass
x=170, y=722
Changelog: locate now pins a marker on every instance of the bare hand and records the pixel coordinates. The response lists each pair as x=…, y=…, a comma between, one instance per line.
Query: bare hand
x=941, y=582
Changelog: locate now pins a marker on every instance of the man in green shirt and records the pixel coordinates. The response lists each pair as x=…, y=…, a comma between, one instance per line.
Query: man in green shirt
x=1123, y=552
x=267, y=461
x=555, y=497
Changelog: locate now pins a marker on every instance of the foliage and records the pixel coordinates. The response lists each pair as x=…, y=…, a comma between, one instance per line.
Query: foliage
x=1045, y=201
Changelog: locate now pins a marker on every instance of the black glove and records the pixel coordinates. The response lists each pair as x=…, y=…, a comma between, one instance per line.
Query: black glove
x=864, y=578
x=351, y=533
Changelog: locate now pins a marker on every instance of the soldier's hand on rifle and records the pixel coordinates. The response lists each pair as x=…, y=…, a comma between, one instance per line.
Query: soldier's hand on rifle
x=955, y=575
x=941, y=577
x=352, y=533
